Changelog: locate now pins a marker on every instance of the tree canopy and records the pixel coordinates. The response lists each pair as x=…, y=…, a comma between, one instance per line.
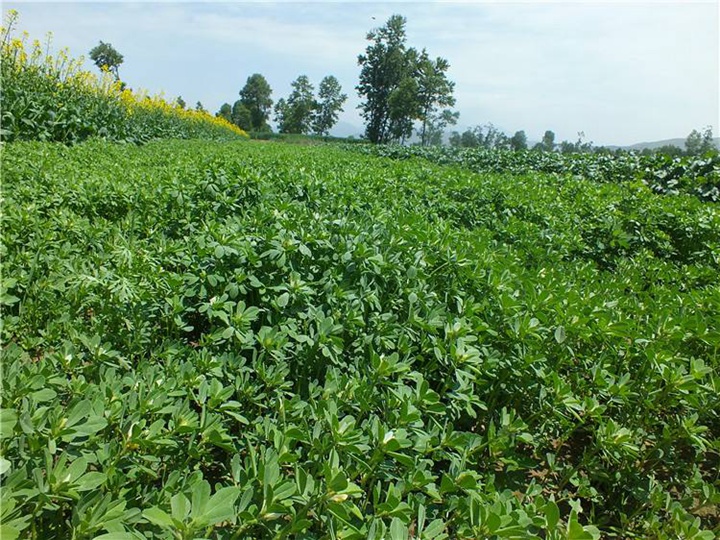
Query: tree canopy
x=295, y=115
x=328, y=106
x=255, y=96
x=105, y=56
x=698, y=143
x=400, y=86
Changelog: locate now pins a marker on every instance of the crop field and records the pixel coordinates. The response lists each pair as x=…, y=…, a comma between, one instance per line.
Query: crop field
x=256, y=340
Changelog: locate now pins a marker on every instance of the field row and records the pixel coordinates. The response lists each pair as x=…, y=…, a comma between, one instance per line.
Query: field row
x=694, y=175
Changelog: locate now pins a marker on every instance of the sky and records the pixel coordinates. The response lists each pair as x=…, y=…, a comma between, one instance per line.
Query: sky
x=621, y=72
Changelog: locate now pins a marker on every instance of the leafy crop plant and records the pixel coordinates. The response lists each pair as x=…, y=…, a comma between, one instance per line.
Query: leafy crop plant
x=244, y=340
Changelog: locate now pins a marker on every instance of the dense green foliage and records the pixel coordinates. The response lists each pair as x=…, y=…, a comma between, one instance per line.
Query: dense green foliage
x=699, y=176
x=267, y=341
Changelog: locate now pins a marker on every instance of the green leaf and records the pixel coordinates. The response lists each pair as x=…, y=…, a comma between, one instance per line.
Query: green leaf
x=180, y=507
x=552, y=515
x=158, y=517
x=90, y=481
x=8, y=532
x=220, y=507
x=8, y=419
x=560, y=334
x=80, y=411
x=398, y=530
x=434, y=528
x=200, y=498
x=575, y=531
x=283, y=300
x=493, y=522
x=74, y=471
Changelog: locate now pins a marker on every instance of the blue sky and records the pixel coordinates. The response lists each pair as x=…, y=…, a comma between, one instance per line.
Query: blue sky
x=620, y=71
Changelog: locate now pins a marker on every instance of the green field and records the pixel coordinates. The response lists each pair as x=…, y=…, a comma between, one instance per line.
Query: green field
x=258, y=340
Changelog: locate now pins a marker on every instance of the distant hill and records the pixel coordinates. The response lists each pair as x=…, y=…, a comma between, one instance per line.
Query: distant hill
x=652, y=145
x=680, y=143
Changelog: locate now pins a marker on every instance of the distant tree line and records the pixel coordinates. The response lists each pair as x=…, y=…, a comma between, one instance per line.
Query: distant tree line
x=404, y=92
x=301, y=112
x=489, y=137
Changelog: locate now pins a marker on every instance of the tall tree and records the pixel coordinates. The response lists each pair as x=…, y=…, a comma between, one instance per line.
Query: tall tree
x=329, y=105
x=698, y=143
x=386, y=63
x=470, y=138
x=282, y=111
x=434, y=90
x=296, y=114
x=225, y=112
x=548, y=142
x=199, y=107
x=518, y=141
x=493, y=138
x=255, y=96
x=180, y=102
x=106, y=57
x=455, y=139
x=240, y=116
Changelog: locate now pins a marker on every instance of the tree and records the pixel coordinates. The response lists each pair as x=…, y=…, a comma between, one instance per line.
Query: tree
x=387, y=62
x=493, y=138
x=434, y=90
x=566, y=147
x=180, y=102
x=240, y=116
x=470, y=138
x=548, y=142
x=225, y=112
x=255, y=96
x=437, y=123
x=329, y=105
x=669, y=150
x=199, y=107
x=518, y=141
x=106, y=57
x=693, y=143
x=282, y=111
x=698, y=143
x=296, y=114
x=403, y=107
